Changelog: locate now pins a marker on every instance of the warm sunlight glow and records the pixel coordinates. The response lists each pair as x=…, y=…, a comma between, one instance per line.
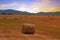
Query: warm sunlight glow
x=32, y=6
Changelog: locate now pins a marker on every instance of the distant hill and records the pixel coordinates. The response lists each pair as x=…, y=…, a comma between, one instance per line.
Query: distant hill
x=48, y=13
x=11, y=12
x=15, y=12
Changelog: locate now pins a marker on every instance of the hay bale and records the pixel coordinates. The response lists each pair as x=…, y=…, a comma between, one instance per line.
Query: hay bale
x=16, y=18
x=4, y=17
x=28, y=28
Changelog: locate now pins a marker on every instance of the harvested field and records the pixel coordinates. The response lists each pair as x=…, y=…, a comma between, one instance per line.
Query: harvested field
x=46, y=27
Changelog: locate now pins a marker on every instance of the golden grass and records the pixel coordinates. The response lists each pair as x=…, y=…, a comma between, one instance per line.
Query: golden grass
x=45, y=27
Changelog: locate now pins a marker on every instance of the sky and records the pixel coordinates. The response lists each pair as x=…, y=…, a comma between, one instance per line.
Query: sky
x=33, y=6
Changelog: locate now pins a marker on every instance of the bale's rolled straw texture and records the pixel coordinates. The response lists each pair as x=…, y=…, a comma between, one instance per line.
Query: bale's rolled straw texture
x=28, y=28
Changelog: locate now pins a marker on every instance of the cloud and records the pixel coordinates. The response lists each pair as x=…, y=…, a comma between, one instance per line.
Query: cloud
x=45, y=6
x=34, y=7
x=7, y=5
x=38, y=6
x=52, y=9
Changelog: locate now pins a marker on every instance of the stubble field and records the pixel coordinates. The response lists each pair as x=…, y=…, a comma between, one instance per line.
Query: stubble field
x=46, y=27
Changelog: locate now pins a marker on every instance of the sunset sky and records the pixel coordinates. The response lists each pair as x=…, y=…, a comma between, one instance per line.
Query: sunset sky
x=31, y=5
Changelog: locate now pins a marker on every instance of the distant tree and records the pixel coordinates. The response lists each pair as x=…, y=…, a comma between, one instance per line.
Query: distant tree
x=3, y=13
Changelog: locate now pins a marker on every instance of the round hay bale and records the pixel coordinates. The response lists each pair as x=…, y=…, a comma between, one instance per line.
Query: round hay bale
x=4, y=17
x=28, y=28
x=16, y=18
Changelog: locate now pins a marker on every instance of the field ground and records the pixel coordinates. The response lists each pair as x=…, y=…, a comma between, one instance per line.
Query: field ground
x=46, y=27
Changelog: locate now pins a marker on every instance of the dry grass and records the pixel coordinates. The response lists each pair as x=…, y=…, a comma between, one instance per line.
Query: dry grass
x=46, y=28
